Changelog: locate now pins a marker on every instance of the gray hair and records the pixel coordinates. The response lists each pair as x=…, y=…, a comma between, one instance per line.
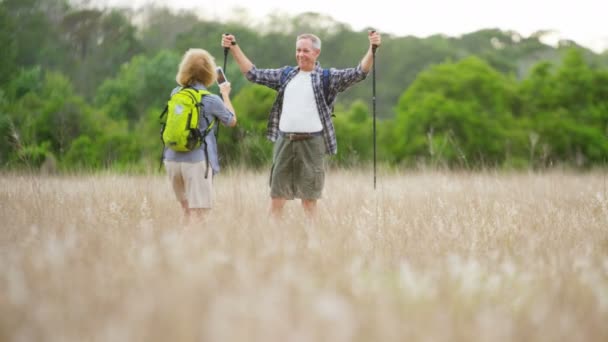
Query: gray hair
x=316, y=41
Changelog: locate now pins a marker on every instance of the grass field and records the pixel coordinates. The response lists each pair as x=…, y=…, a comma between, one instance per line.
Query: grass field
x=426, y=257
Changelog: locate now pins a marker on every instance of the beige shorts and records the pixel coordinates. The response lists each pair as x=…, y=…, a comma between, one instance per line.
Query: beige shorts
x=189, y=183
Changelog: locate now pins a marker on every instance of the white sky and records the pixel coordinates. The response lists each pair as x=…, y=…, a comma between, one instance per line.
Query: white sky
x=582, y=20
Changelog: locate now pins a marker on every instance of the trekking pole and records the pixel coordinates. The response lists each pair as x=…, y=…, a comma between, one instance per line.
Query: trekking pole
x=225, y=54
x=374, y=47
x=217, y=130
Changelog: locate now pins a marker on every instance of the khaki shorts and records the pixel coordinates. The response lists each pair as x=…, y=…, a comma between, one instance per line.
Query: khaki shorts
x=189, y=183
x=298, y=168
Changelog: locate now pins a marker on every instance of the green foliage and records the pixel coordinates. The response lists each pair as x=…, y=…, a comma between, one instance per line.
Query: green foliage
x=162, y=26
x=52, y=113
x=354, y=132
x=83, y=154
x=35, y=37
x=8, y=53
x=108, y=149
x=32, y=156
x=562, y=139
x=46, y=118
x=99, y=42
x=246, y=144
x=568, y=110
x=458, y=114
x=7, y=139
x=141, y=84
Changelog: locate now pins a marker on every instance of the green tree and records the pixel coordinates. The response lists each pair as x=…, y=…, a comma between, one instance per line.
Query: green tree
x=161, y=27
x=48, y=114
x=33, y=31
x=141, y=84
x=8, y=53
x=354, y=133
x=100, y=43
x=566, y=112
x=458, y=114
x=573, y=83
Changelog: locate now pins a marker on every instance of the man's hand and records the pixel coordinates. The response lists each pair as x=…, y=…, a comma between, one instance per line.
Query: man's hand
x=228, y=40
x=374, y=38
x=374, y=41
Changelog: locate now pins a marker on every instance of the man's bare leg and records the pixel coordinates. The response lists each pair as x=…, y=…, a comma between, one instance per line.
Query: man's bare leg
x=310, y=209
x=276, y=207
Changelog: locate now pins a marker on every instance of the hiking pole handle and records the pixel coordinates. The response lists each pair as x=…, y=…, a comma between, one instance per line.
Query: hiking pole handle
x=217, y=130
x=374, y=46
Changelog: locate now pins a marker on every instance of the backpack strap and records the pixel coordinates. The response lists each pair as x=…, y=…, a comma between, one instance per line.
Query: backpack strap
x=164, y=112
x=167, y=106
x=200, y=109
x=284, y=74
x=325, y=80
x=207, y=130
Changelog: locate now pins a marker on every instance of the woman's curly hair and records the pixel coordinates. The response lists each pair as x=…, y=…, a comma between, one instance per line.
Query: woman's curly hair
x=197, y=65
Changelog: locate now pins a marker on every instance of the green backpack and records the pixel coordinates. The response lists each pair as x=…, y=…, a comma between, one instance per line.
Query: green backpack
x=180, y=131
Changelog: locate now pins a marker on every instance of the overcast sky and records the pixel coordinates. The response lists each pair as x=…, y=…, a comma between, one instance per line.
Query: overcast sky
x=582, y=21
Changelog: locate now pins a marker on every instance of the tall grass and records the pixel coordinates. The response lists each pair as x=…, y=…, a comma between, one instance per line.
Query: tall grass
x=426, y=257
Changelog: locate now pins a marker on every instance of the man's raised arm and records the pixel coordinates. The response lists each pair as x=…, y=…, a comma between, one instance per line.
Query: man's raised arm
x=374, y=39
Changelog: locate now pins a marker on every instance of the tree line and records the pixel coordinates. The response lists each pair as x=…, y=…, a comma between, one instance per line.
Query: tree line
x=82, y=88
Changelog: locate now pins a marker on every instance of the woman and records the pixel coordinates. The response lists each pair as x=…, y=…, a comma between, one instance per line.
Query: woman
x=191, y=173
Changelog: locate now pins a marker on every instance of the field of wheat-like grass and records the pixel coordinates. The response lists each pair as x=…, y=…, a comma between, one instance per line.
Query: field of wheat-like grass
x=431, y=256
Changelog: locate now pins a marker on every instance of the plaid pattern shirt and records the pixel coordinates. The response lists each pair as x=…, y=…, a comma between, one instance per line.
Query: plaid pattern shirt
x=339, y=81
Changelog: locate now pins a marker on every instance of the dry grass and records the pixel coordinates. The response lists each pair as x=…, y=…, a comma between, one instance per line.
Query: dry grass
x=427, y=257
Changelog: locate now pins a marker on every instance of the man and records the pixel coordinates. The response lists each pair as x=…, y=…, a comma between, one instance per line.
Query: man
x=300, y=121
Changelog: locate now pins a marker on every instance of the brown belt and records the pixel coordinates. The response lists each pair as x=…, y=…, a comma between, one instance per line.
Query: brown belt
x=300, y=136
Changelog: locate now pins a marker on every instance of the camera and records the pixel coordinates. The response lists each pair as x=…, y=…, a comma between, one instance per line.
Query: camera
x=221, y=77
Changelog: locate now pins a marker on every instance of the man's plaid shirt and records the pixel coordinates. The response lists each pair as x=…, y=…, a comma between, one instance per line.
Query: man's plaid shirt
x=339, y=81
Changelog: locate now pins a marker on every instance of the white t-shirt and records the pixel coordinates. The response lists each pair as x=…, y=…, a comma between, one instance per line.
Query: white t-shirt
x=300, y=113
